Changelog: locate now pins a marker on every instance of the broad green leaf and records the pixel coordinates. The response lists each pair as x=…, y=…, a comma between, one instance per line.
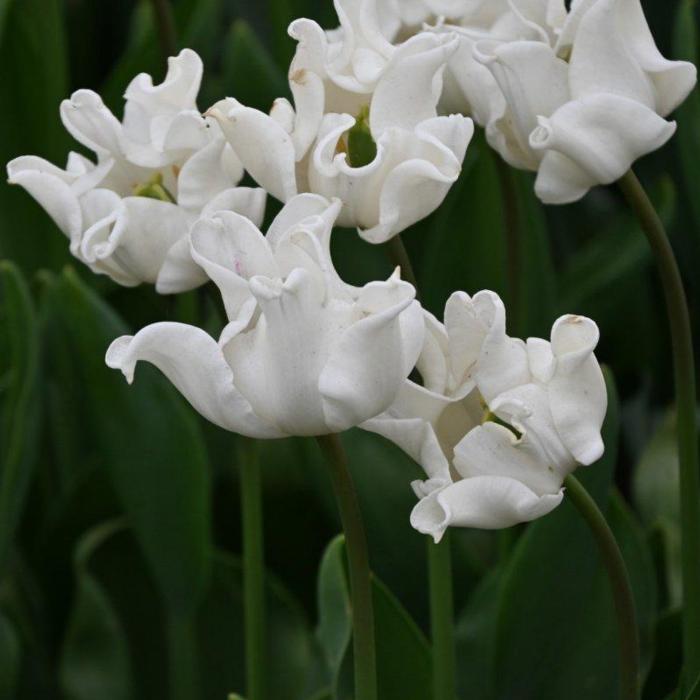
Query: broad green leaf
x=249, y=72
x=4, y=9
x=685, y=43
x=608, y=258
x=403, y=654
x=10, y=659
x=465, y=246
x=694, y=693
x=668, y=658
x=95, y=656
x=19, y=417
x=33, y=75
x=290, y=651
x=149, y=443
x=655, y=487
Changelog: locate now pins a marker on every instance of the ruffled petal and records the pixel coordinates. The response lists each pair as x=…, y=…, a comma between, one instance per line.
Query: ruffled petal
x=264, y=147
x=488, y=503
x=91, y=123
x=577, y=391
x=614, y=51
x=602, y=135
x=51, y=188
x=193, y=362
x=231, y=250
x=353, y=386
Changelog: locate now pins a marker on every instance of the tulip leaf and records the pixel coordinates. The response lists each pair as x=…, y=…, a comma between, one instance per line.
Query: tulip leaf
x=19, y=417
x=554, y=574
x=10, y=659
x=694, y=693
x=148, y=441
x=248, y=71
x=403, y=654
x=685, y=41
x=95, y=657
x=290, y=653
x=34, y=76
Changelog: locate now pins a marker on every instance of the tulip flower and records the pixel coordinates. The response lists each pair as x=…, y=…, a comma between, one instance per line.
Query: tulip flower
x=583, y=97
x=498, y=423
x=156, y=172
x=303, y=353
x=365, y=128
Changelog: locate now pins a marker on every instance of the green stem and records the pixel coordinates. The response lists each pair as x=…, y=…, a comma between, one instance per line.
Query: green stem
x=687, y=432
x=182, y=657
x=399, y=257
x=253, y=568
x=442, y=619
x=165, y=23
x=619, y=583
x=511, y=222
x=358, y=563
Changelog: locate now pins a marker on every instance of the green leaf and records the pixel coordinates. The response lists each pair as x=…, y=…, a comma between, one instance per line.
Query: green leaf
x=34, y=76
x=555, y=626
x=694, y=693
x=95, y=656
x=148, y=441
x=290, y=651
x=403, y=654
x=685, y=43
x=4, y=9
x=465, y=246
x=655, y=487
x=10, y=659
x=19, y=417
x=249, y=72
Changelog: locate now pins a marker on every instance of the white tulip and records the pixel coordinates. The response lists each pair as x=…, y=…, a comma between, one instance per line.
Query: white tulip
x=498, y=423
x=365, y=128
x=157, y=171
x=304, y=353
x=583, y=99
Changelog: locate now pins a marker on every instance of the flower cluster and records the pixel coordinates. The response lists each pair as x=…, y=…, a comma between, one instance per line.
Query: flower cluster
x=378, y=129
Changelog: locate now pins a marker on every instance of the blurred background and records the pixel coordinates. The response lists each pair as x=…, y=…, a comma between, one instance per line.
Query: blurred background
x=120, y=541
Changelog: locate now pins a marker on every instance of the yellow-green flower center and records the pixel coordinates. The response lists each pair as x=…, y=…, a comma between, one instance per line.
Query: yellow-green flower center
x=154, y=189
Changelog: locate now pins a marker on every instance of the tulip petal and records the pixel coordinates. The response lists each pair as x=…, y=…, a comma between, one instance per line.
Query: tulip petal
x=372, y=357
x=487, y=502
x=91, y=123
x=193, y=362
x=577, y=389
x=231, y=250
x=597, y=139
x=264, y=147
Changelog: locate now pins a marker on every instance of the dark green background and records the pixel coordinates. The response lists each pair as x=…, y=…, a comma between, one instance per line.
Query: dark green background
x=119, y=517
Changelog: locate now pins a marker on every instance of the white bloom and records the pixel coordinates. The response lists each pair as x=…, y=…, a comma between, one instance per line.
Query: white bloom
x=365, y=128
x=157, y=171
x=585, y=98
x=548, y=400
x=304, y=353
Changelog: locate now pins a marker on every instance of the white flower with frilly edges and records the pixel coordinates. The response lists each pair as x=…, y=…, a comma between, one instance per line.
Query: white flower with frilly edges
x=499, y=423
x=365, y=128
x=303, y=353
x=157, y=171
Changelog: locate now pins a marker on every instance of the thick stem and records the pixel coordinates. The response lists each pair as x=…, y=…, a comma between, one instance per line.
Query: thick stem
x=253, y=568
x=358, y=562
x=442, y=619
x=165, y=23
x=396, y=250
x=511, y=222
x=619, y=584
x=687, y=432
x=182, y=657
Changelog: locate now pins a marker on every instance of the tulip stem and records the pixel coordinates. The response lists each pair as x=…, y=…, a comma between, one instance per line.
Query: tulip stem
x=442, y=619
x=358, y=563
x=687, y=431
x=399, y=257
x=253, y=568
x=165, y=23
x=620, y=585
